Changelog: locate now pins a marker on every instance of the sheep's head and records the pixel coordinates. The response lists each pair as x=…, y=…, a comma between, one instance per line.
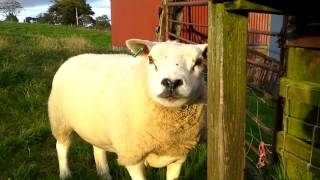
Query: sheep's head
x=175, y=71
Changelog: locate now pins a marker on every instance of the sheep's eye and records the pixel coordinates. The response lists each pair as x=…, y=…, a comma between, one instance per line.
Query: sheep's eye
x=151, y=61
x=197, y=63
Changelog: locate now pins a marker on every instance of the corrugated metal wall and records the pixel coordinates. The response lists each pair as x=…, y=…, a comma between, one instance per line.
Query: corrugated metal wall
x=259, y=22
x=133, y=19
x=139, y=19
x=198, y=15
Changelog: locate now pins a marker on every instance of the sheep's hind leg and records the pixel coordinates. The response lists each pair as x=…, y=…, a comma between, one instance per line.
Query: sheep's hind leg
x=62, y=150
x=101, y=163
x=136, y=171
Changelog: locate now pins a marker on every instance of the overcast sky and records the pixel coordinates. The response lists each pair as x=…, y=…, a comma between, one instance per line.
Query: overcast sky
x=33, y=7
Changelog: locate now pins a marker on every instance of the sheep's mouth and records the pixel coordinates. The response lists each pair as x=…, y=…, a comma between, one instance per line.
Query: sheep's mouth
x=172, y=98
x=170, y=95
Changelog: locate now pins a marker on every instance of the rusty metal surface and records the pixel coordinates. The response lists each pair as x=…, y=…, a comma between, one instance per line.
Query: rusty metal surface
x=263, y=65
x=263, y=72
x=259, y=23
x=264, y=33
x=186, y=23
x=188, y=3
x=181, y=38
x=305, y=42
x=193, y=24
x=255, y=52
x=303, y=32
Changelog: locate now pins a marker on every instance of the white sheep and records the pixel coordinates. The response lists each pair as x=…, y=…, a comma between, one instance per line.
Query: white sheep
x=145, y=109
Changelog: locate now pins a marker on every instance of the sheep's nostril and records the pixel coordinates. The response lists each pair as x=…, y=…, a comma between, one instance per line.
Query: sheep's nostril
x=177, y=83
x=166, y=82
x=171, y=84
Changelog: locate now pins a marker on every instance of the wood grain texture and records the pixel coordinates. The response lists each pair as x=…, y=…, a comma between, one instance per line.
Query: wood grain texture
x=161, y=35
x=226, y=93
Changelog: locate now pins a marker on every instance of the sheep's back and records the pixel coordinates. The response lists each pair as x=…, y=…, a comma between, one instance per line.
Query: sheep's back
x=88, y=92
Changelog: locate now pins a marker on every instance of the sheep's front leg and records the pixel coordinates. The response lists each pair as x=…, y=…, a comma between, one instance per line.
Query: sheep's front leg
x=101, y=163
x=62, y=150
x=173, y=169
x=136, y=171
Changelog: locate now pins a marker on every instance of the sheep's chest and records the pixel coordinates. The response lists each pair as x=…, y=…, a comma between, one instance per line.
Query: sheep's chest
x=176, y=131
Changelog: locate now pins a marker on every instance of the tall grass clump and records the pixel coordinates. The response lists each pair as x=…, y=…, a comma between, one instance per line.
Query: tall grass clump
x=3, y=42
x=73, y=44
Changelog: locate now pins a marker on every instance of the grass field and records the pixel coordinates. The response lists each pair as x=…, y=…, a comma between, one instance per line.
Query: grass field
x=29, y=57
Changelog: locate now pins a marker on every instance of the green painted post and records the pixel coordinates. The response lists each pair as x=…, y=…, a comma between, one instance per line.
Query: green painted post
x=226, y=93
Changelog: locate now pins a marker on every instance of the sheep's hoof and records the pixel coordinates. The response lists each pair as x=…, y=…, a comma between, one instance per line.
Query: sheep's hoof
x=106, y=176
x=65, y=174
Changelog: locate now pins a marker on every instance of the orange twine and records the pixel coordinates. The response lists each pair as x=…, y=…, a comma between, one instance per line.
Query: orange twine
x=263, y=150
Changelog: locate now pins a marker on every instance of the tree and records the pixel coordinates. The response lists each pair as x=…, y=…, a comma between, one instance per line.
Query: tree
x=64, y=11
x=10, y=8
x=86, y=20
x=45, y=18
x=12, y=17
x=102, y=22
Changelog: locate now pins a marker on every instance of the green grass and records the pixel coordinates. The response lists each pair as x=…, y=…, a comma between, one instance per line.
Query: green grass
x=100, y=39
x=29, y=57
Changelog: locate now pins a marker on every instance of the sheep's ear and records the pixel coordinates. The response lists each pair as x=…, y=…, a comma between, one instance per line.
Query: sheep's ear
x=135, y=44
x=204, y=50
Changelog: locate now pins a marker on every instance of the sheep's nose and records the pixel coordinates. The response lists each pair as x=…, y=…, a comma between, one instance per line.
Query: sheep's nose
x=171, y=84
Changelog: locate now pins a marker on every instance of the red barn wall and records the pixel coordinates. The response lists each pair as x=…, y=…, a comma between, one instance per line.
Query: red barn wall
x=133, y=19
x=198, y=15
x=139, y=19
x=259, y=22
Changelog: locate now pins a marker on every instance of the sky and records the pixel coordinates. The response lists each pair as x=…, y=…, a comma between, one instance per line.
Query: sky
x=33, y=7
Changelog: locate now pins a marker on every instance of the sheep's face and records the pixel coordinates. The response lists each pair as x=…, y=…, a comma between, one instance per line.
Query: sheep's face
x=175, y=72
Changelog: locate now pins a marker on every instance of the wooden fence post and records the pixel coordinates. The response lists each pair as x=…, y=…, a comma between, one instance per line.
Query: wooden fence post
x=162, y=34
x=226, y=93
